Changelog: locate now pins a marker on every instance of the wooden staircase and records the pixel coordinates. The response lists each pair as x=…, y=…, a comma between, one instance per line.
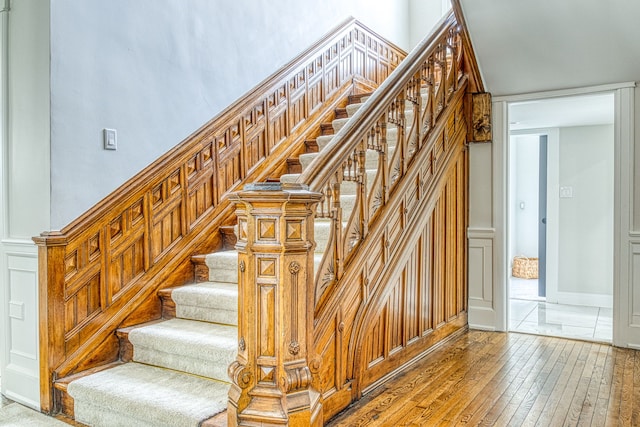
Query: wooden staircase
x=350, y=260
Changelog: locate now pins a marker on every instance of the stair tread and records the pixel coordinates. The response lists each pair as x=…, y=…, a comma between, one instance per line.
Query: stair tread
x=207, y=291
x=184, y=336
x=207, y=301
x=197, y=347
x=149, y=394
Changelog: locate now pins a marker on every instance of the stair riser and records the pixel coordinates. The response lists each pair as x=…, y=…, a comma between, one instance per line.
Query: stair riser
x=208, y=314
x=214, y=369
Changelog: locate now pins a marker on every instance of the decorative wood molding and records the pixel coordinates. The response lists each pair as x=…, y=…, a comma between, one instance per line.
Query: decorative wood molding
x=101, y=271
x=481, y=124
x=271, y=377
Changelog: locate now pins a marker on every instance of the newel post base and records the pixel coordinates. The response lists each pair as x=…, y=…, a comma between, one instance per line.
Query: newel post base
x=272, y=375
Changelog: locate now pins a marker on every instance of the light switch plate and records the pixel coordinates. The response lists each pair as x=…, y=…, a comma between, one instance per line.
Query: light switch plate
x=110, y=139
x=566, y=192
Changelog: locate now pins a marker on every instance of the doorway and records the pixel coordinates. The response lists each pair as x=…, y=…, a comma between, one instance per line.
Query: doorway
x=560, y=216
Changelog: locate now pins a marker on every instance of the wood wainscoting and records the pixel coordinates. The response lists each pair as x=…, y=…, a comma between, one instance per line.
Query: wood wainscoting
x=103, y=270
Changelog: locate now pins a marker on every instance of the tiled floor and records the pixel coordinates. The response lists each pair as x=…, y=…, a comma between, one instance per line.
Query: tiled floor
x=531, y=314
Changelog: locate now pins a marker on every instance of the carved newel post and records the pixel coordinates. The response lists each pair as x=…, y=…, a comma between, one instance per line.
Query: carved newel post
x=271, y=377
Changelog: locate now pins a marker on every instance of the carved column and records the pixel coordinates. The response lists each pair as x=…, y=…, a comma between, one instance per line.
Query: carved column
x=271, y=377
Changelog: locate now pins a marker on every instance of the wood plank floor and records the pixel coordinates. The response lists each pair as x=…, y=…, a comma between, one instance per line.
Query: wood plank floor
x=508, y=379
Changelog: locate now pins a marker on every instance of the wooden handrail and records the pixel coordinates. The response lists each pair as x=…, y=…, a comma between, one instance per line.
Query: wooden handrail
x=102, y=270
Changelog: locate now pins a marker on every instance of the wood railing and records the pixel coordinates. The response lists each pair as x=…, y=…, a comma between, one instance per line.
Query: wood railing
x=427, y=83
x=101, y=271
x=392, y=282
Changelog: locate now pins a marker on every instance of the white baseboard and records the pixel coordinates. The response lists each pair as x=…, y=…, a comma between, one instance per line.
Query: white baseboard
x=589, y=300
x=482, y=318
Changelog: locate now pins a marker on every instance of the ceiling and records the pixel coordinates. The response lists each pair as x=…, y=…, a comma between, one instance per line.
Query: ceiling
x=531, y=46
x=581, y=110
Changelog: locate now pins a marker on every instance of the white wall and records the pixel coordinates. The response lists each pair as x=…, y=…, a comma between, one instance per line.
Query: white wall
x=156, y=70
x=24, y=190
x=423, y=16
x=586, y=218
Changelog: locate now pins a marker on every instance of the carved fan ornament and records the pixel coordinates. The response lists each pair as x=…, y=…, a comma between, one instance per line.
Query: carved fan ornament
x=376, y=202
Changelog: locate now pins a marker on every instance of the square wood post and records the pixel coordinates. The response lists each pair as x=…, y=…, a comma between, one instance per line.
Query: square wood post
x=271, y=377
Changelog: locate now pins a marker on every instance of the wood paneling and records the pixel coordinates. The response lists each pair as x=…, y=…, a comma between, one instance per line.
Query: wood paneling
x=104, y=267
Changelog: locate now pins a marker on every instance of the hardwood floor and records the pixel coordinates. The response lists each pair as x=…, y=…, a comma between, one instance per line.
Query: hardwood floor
x=508, y=379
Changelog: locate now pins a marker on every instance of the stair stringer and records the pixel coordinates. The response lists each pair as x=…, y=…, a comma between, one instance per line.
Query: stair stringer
x=346, y=317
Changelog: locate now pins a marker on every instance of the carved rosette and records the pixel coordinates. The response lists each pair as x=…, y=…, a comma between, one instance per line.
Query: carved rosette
x=294, y=347
x=294, y=267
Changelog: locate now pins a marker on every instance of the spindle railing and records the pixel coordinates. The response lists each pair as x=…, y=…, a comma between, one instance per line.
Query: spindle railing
x=424, y=85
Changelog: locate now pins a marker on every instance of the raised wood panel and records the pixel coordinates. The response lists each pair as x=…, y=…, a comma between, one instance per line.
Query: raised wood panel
x=127, y=264
x=279, y=128
x=425, y=264
x=82, y=305
x=413, y=293
x=166, y=228
x=375, y=347
x=315, y=93
x=394, y=331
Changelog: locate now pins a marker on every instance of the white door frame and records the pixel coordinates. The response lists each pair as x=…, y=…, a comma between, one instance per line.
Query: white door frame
x=4, y=116
x=626, y=280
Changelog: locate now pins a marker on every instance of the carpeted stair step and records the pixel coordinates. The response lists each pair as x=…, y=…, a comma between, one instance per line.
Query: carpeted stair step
x=198, y=348
x=326, y=129
x=352, y=108
x=135, y=394
x=323, y=141
x=207, y=302
x=358, y=98
x=341, y=113
x=370, y=163
x=338, y=124
x=311, y=145
x=223, y=266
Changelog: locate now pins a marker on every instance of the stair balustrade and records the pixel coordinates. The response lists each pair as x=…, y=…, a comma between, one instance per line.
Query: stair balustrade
x=391, y=284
